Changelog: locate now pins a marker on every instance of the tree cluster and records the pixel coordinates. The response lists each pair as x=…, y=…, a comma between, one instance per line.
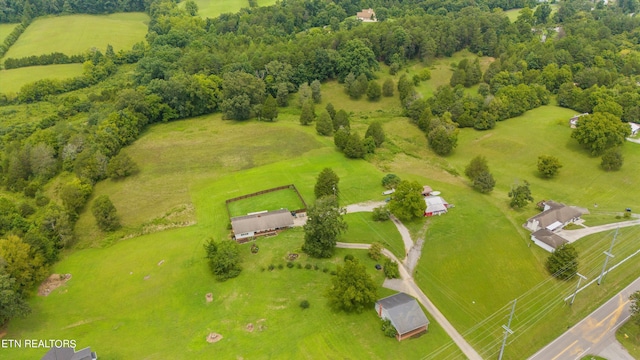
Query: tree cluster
x=478, y=172
x=224, y=259
x=563, y=262
x=352, y=289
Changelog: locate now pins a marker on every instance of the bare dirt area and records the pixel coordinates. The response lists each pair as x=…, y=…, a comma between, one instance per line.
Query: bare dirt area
x=52, y=282
x=213, y=338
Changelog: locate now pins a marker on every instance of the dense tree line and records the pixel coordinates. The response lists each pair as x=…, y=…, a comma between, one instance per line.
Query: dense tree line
x=45, y=59
x=17, y=10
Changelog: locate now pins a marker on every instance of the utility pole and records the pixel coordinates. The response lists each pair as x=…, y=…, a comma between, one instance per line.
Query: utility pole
x=608, y=254
x=580, y=277
x=507, y=329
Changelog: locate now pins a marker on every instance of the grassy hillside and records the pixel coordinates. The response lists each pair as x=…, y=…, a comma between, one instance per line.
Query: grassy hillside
x=213, y=8
x=6, y=29
x=75, y=34
x=12, y=80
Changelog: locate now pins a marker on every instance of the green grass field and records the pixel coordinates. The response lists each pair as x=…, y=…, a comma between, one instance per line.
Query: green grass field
x=6, y=29
x=629, y=336
x=281, y=199
x=159, y=311
x=475, y=261
x=12, y=80
x=213, y=8
x=76, y=34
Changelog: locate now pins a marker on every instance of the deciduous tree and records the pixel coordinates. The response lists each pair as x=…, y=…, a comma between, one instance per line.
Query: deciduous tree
x=635, y=306
x=600, y=131
x=327, y=184
x=390, y=181
x=563, y=262
x=224, y=259
x=324, y=225
x=612, y=160
x=352, y=289
x=387, y=87
x=373, y=91
x=121, y=166
x=407, y=202
x=548, y=165
x=105, y=213
x=520, y=195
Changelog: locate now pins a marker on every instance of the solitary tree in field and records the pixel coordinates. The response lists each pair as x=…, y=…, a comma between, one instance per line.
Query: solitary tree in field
x=324, y=225
x=478, y=172
x=563, y=263
x=224, y=259
x=327, y=184
x=520, y=195
x=548, y=165
x=352, y=289
x=105, y=213
x=612, y=160
x=390, y=181
x=407, y=202
x=387, y=87
x=270, y=109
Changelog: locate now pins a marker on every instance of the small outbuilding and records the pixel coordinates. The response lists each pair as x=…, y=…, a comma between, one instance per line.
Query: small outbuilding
x=68, y=353
x=426, y=190
x=635, y=128
x=405, y=315
x=366, y=15
x=247, y=227
x=548, y=240
x=436, y=205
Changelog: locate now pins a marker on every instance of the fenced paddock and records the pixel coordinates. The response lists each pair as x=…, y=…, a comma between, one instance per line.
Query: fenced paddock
x=281, y=197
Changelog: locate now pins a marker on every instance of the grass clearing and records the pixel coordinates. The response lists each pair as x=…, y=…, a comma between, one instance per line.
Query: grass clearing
x=75, y=34
x=275, y=200
x=6, y=29
x=629, y=336
x=213, y=8
x=12, y=80
x=362, y=229
x=171, y=302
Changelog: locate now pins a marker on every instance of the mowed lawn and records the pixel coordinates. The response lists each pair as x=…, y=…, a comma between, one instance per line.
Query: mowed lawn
x=6, y=29
x=275, y=200
x=213, y=8
x=145, y=298
x=12, y=80
x=76, y=34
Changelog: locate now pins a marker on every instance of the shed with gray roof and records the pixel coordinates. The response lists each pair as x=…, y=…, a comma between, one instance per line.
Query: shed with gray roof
x=264, y=223
x=68, y=353
x=405, y=315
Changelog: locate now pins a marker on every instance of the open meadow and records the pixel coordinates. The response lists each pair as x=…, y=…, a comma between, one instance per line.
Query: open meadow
x=213, y=8
x=476, y=259
x=76, y=34
x=6, y=29
x=12, y=80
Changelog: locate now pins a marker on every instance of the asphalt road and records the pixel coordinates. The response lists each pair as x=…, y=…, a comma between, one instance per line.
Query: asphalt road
x=595, y=334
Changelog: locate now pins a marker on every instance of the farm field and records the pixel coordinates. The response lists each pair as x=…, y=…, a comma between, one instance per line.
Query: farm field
x=153, y=287
x=12, y=80
x=6, y=29
x=213, y=8
x=75, y=34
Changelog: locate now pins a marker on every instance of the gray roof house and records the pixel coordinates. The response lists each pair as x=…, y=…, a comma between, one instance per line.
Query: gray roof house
x=548, y=240
x=405, y=315
x=67, y=353
x=554, y=217
x=263, y=223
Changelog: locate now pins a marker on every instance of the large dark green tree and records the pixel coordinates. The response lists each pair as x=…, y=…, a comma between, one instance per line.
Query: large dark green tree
x=324, y=224
x=407, y=202
x=563, y=262
x=270, y=109
x=224, y=259
x=600, y=131
x=352, y=289
x=612, y=160
x=376, y=132
x=324, y=126
x=12, y=304
x=327, y=184
x=105, y=213
x=240, y=92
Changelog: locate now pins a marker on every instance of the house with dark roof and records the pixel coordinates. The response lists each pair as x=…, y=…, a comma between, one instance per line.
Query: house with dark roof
x=67, y=353
x=554, y=217
x=405, y=315
x=249, y=226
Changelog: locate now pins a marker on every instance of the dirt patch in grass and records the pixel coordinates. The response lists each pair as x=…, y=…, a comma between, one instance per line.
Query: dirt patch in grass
x=209, y=297
x=52, y=282
x=249, y=327
x=213, y=338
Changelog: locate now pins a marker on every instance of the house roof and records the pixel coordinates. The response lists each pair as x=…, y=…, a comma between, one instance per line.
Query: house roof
x=435, y=204
x=426, y=190
x=555, y=212
x=404, y=312
x=550, y=238
x=261, y=222
x=67, y=353
x=365, y=14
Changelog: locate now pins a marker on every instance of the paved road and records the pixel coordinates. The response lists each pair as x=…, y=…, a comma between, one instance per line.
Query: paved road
x=595, y=334
x=573, y=235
